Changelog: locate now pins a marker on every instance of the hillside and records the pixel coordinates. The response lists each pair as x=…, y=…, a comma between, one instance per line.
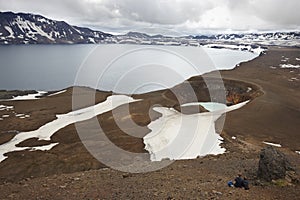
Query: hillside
x=22, y=28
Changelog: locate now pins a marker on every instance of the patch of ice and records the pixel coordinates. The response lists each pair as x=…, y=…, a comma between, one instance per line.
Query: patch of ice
x=289, y=66
x=46, y=131
x=60, y=92
x=29, y=96
x=179, y=136
x=210, y=106
x=272, y=144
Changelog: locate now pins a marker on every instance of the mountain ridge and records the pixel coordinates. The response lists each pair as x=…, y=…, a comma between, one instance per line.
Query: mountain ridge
x=27, y=28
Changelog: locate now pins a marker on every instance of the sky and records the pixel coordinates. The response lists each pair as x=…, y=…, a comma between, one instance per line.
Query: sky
x=170, y=17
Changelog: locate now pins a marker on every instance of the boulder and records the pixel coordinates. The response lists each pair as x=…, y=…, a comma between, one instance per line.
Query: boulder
x=273, y=164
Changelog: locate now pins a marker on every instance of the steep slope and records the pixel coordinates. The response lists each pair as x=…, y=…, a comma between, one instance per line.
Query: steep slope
x=23, y=28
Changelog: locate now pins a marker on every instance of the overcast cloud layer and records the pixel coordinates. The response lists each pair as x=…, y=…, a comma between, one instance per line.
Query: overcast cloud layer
x=174, y=17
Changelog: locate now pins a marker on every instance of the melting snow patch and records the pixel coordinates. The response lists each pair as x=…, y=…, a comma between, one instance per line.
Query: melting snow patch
x=285, y=59
x=11, y=33
x=293, y=79
x=272, y=144
x=22, y=116
x=3, y=107
x=298, y=152
x=46, y=131
x=56, y=93
x=29, y=96
x=289, y=66
x=233, y=137
x=273, y=67
x=44, y=148
x=179, y=136
x=298, y=59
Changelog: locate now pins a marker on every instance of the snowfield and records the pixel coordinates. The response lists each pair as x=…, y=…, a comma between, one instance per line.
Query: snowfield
x=177, y=136
x=46, y=131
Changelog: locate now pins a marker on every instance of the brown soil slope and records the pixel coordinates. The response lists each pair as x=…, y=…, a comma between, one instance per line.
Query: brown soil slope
x=66, y=171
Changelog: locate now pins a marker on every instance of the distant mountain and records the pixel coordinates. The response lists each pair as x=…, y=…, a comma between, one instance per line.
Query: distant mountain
x=277, y=38
x=20, y=28
x=24, y=28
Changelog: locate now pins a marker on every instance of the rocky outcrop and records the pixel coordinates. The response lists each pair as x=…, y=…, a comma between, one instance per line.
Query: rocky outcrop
x=273, y=165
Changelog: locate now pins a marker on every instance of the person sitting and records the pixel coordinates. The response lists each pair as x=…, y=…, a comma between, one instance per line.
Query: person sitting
x=238, y=181
x=246, y=183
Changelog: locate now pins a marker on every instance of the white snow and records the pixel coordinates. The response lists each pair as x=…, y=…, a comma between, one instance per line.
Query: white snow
x=293, y=79
x=272, y=144
x=41, y=32
x=42, y=20
x=178, y=136
x=298, y=152
x=289, y=66
x=30, y=28
x=92, y=40
x=22, y=116
x=10, y=31
x=5, y=116
x=3, y=107
x=44, y=148
x=29, y=96
x=46, y=131
x=298, y=59
x=60, y=92
x=233, y=137
x=237, y=47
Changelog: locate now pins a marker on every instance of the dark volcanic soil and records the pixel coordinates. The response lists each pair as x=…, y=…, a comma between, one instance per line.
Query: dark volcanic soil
x=68, y=171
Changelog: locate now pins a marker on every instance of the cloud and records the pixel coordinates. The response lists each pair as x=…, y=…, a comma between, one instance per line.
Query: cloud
x=180, y=16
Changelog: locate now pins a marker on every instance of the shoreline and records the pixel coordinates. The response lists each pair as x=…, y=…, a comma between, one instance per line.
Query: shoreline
x=271, y=117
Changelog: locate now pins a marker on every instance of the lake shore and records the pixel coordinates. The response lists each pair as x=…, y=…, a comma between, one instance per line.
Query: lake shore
x=271, y=116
